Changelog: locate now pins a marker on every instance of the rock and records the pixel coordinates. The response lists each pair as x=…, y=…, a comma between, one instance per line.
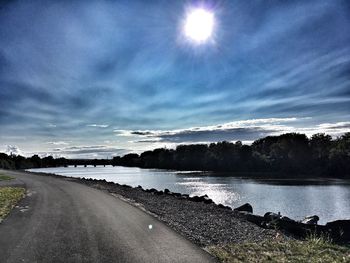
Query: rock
x=340, y=229
x=285, y=218
x=203, y=198
x=310, y=220
x=224, y=207
x=256, y=219
x=152, y=190
x=159, y=193
x=207, y=200
x=196, y=199
x=176, y=194
x=270, y=216
x=244, y=208
x=185, y=196
x=166, y=191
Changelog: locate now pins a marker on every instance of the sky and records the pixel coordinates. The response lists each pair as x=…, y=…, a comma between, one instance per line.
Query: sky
x=96, y=79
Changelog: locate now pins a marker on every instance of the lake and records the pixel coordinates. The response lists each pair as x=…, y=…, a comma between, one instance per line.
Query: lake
x=329, y=199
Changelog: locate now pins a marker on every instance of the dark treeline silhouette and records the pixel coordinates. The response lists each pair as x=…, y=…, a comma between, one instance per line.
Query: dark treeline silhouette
x=290, y=153
x=20, y=162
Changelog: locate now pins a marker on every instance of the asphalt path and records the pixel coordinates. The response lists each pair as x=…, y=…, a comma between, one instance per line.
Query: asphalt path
x=64, y=221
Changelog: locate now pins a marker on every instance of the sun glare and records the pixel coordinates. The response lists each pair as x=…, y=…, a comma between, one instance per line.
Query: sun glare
x=199, y=25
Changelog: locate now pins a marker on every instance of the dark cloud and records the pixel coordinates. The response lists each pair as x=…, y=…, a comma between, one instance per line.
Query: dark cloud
x=142, y=133
x=244, y=134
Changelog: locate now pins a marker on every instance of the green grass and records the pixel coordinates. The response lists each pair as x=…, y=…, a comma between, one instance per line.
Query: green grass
x=311, y=250
x=5, y=177
x=9, y=196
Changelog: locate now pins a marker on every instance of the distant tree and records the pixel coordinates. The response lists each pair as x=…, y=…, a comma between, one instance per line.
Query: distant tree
x=340, y=156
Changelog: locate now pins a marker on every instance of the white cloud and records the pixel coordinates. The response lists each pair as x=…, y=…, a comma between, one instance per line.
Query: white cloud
x=98, y=125
x=89, y=151
x=58, y=143
x=13, y=149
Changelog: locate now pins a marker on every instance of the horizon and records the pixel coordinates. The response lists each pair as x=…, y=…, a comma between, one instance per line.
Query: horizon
x=95, y=80
x=14, y=152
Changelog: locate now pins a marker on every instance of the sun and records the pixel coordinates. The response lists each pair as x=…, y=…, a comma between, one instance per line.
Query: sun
x=199, y=25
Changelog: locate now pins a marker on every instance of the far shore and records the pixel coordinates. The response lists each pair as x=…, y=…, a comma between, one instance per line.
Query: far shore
x=263, y=176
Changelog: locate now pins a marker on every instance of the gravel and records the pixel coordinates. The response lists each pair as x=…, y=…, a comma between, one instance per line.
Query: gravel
x=204, y=224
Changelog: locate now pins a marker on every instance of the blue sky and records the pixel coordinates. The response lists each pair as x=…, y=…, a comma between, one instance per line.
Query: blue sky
x=101, y=78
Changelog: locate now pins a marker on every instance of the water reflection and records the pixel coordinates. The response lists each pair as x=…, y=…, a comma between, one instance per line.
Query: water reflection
x=330, y=199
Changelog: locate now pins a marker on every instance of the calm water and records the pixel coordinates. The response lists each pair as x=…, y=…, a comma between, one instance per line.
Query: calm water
x=328, y=199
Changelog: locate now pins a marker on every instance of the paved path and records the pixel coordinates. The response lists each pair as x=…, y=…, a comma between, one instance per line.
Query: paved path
x=63, y=221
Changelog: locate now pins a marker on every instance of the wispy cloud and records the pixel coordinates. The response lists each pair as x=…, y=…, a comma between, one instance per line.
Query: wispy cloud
x=98, y=125
x=89, y=151
x=58, y=143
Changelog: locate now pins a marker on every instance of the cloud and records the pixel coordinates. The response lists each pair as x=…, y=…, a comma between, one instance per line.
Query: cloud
x=334, y=129
x=246, y=130
x=98, y=125
x=91, y=151
x=335, y=126
x=58, y=143
x=13, y=149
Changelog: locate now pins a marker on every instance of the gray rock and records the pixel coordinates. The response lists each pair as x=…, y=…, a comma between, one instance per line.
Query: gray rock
x=244, y=208
x=271, y=216
x=310, y=220
x=340, y=229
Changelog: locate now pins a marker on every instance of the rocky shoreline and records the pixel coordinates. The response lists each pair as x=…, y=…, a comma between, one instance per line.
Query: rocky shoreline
x=206, y=223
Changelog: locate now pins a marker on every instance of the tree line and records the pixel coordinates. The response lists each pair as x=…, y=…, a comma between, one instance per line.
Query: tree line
x=292, y=153
x=15, y=162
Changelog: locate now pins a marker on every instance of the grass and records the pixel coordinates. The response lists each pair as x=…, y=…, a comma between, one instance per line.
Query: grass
x=9, y=196
x=314, y=249
x=5, y=177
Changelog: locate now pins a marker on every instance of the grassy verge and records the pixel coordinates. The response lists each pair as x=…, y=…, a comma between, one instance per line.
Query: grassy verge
x=9, y=196
x=5, y=177
x=310, y=250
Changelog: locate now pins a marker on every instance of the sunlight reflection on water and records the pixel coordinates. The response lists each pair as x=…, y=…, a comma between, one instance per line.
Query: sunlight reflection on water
x=218, y=192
